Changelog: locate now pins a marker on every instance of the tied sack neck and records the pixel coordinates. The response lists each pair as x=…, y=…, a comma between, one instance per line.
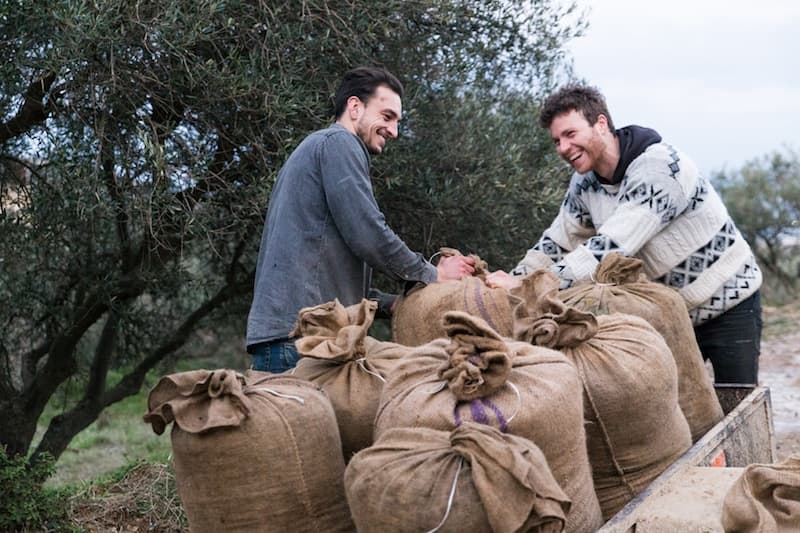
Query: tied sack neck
x=331, y=331
x=479, y=359
x=198, y=400
x=543, y=319
x=617, y=269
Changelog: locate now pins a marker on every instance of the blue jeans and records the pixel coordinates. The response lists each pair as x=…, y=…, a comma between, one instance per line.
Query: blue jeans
x=732, y=342
x=275, y=356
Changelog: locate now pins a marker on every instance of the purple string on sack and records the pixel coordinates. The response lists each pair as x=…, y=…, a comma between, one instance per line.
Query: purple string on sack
x=499, y=414
x=476, y=410
x=484, y=312
x=479, y=414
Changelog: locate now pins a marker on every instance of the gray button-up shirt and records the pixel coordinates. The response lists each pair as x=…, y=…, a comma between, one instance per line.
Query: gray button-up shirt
x=323, y=235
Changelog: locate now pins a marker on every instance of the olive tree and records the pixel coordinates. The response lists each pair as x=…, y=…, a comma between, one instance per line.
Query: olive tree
x=139, y=141
x=763, y=196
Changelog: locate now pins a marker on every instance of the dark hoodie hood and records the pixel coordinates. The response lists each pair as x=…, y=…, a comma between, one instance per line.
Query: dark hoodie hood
x=633, y=141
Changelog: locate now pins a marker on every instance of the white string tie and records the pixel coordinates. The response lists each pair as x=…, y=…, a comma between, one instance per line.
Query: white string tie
x=368, y=371
x=450, y=499
x=442, y=384
x=519, y=401
x=298, y=399
x=438, y=387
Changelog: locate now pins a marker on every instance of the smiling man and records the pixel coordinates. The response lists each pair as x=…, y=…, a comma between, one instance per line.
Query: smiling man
x=324, y=231
x=634, y=194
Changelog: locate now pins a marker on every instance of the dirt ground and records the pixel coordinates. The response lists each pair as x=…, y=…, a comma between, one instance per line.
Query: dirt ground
x=780, y=371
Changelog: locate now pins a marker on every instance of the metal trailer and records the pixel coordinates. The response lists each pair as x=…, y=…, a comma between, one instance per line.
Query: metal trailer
x=744, y=436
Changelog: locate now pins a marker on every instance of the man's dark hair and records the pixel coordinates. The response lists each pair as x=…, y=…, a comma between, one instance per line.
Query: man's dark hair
x=582, y=98
x=362, y=82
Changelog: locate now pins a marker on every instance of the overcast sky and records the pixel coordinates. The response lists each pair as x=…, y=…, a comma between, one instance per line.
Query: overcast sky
x=718, y=79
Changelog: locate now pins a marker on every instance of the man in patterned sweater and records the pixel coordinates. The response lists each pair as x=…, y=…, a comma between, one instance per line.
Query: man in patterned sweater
x=634, y=194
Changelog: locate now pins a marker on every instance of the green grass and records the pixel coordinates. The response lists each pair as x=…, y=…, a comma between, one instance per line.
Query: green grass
x=118, y=437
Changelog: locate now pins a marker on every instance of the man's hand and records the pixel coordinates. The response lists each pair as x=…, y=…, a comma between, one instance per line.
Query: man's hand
x=454, y=267
x=499, y=278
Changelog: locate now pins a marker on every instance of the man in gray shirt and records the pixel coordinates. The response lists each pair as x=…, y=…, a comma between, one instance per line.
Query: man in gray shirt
x=324, y=231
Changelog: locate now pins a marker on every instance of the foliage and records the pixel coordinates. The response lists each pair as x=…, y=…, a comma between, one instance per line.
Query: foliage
x=491, y=183
x=764, y=199
x=139, y=142
x=24, y=502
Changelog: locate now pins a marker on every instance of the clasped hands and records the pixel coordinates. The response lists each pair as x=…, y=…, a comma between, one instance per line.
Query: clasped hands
x=456, y=267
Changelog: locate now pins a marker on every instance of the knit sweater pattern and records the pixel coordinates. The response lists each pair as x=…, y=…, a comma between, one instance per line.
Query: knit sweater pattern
x=663, y=212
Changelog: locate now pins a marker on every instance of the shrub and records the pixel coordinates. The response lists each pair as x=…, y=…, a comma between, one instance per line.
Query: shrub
x=24, y=502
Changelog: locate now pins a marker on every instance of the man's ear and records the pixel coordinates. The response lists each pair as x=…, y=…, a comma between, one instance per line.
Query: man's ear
x=602, y=120
x=354, y=107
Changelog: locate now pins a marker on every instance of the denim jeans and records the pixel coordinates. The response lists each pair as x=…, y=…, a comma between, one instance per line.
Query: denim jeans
x=275, y=356
x=732, y=342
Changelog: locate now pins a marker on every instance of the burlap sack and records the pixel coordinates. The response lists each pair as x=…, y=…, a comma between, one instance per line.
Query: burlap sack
x=620, y=286
x=765, y=499
x=349, y=366
x=418, y=316
x=476, y=375
x=634, y=425
x=474, y=479
x=254, y=454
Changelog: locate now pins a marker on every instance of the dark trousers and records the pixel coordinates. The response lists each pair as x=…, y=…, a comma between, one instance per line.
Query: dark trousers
x=732, y=342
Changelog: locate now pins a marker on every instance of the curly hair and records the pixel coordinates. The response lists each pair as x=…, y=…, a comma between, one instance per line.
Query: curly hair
x=575, y=97
x=362, y=82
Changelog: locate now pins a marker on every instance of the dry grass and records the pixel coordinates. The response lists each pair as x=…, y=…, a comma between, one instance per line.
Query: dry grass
x=143, y=499
x=780, y=320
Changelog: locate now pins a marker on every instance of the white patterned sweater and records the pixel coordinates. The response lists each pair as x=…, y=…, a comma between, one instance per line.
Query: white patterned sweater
x=662, y=212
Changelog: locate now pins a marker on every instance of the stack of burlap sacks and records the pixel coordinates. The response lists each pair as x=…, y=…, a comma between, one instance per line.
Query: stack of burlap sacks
x=620, y=287
x=439, y=437
x=494, y=412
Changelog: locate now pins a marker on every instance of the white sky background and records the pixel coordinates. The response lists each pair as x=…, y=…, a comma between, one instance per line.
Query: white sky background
x=718, y=79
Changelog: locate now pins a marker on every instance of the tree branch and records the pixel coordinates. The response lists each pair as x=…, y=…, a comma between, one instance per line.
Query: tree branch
x=68, y=424
x=60, y=363
x=102, y=356
x=121, y=213
x=31, y=112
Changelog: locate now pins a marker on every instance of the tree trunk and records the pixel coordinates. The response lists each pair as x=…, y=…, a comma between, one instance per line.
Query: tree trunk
x=17, y=426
